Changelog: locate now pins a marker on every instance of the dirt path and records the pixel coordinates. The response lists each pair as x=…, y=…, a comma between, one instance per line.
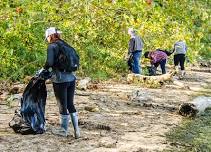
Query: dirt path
x=124, y=118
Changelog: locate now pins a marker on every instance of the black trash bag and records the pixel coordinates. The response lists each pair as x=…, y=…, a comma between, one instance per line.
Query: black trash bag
x=30, y=119
x=151, y=70
x=19, y=126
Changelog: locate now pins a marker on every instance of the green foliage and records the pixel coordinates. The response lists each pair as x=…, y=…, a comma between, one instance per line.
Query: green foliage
x=98, y=31
x=192, y=135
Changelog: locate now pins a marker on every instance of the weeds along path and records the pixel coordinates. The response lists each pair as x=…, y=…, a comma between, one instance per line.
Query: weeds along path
x=113, y=117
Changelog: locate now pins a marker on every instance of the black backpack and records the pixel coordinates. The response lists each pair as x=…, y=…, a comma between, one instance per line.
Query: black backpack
x=67, y=58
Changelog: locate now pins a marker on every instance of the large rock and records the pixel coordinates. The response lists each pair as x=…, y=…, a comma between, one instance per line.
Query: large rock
x=83, y=83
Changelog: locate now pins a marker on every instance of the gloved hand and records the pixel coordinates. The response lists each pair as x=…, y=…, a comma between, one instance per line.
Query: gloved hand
x=39, y=72
x=43, y=74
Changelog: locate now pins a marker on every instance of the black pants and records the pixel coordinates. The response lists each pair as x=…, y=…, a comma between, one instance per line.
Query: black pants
x=180, y=59
x=64, y=93
x=162, y=64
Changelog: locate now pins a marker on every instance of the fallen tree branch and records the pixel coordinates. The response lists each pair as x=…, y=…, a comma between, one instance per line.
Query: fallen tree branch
x=150, y=80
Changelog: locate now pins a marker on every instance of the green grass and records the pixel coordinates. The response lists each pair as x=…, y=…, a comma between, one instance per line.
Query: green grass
x=193, y=135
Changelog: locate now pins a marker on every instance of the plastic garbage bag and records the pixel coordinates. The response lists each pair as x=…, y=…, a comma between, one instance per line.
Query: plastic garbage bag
x=30, y=118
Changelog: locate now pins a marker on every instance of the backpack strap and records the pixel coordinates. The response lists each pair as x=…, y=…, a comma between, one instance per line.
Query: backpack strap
x=56, y=66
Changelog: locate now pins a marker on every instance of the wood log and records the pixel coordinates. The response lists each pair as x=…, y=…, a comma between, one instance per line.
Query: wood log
x=197, y=106
x=151, y=80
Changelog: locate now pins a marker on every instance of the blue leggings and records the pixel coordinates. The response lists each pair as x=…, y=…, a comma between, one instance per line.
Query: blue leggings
x=64, y=93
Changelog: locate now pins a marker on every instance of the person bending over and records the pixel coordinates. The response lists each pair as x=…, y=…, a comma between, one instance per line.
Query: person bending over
x=157, y=58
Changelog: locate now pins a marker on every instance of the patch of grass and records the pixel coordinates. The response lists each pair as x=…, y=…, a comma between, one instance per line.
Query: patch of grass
x=145, y=71
x=99, y=75
x=193, y=135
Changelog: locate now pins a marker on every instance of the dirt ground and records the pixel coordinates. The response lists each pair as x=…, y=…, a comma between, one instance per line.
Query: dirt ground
x=113, y=117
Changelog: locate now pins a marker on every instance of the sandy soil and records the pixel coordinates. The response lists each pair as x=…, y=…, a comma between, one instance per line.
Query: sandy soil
x=113, y=118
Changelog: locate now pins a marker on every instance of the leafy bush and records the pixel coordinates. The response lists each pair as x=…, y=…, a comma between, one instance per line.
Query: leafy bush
x=98, y=31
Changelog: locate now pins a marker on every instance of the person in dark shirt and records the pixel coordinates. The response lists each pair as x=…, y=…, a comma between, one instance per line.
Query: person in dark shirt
x=134, y=51
x=63, y=84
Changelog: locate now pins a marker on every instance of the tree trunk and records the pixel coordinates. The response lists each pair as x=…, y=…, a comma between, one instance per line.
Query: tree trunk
x=197, y=106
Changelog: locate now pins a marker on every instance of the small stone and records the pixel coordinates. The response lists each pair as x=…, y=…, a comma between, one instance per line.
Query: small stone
x=92, y=109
